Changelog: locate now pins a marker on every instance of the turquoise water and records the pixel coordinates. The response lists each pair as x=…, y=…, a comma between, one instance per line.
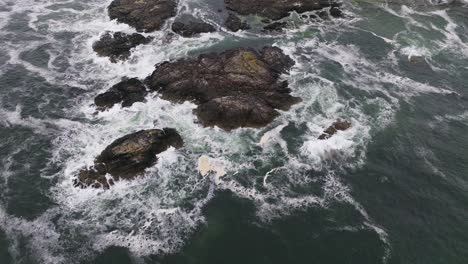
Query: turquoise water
x=392, y=189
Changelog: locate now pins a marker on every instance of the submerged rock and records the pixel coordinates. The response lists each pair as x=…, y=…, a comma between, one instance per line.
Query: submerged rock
x=128, y=157
x=117, y=45
x=276, y=9
x=236, y=88
x=234, y=23
x=127, y=92
x=191, y=28
x=339, y=125
x=275, y=26
x=144, y=15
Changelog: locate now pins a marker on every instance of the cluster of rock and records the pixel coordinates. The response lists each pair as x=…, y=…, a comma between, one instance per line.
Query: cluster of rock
x=232, y=89
x=236, y=88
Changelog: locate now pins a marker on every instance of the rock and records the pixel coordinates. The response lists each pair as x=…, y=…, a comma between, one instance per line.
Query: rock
x=192, y=28
x=236, y=88
x=275, y=26
x=230, y=112
x=144, y=15
x=234, y=23
x=117, y=45
x=336, y=12
x=128, y=157
x=127, y=92
x=339, y=125
x=276, y=9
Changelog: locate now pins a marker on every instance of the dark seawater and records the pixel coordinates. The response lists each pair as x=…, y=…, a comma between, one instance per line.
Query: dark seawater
x=392, y=189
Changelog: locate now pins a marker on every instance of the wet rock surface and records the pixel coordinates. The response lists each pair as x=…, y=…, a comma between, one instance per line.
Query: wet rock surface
x=235, y=23
x=191, y=28
x=275, y=26
x=144, y=15
x=339, y=125
x=117, y=45
x=276, y=9
x=236, y=88
x=128, y=157
x=127, y=92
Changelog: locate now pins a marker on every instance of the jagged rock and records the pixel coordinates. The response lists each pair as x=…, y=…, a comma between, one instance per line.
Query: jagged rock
x=127, y=92
x=275, y=26
x=236, y=88
x=191, y=28
x=276, y=9
x=339, y=125
x=234, y=23
x=128, y=157
x=144, y=15
x=117, y=45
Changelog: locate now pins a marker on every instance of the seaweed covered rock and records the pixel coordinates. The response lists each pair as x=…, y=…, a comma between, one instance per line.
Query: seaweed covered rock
x=276, y=9
x=191, y=28
x=128, y=157
x=339, y=125
x=236, y=88
x=234, y=23
x=127, y=92
x=117, y=45
x=144, y=15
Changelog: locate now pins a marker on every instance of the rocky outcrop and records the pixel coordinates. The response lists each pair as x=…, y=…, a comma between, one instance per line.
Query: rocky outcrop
x=127, y=92
x=191, y=28
x=117, y=45
x=128, y=157
x=339, y=125
x=275, y=26
x=234, y=23
x=235, y=88
x=144, y=15
x=276, y=9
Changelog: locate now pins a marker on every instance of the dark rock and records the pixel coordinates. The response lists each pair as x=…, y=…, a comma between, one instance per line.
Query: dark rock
x=117, y=45
x=276, y=9
x=228, y=85
x=231, y=112
x=144, y=15
x=339, y=125
x=234, y=23
x=192, y=28
x=275, y=26
x=128, y=157
x=126, y=92
x=336, y=12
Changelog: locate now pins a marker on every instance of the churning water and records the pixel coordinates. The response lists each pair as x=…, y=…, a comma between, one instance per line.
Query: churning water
x=392, y=189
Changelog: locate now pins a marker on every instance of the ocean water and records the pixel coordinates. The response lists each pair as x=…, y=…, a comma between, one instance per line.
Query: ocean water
x=392, y=189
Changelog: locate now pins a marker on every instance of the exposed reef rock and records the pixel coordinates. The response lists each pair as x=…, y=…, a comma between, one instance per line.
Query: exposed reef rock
x=234, y=23
x=191, y=28
x=236, y=88
x=339, y=125
x=275, y=26
x=276, y=9
x=117, y=45
x=127, y=92
x=128, y=157
x=144, y=15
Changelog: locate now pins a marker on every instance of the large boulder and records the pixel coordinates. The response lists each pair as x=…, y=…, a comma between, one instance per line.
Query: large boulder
x=127, y=92
x=117, y=45
x=191, y=28
x=234, y=23
x=236, y=88
x=144, y=15
x=128, y=157
x=338, y=125
x=276, y=9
